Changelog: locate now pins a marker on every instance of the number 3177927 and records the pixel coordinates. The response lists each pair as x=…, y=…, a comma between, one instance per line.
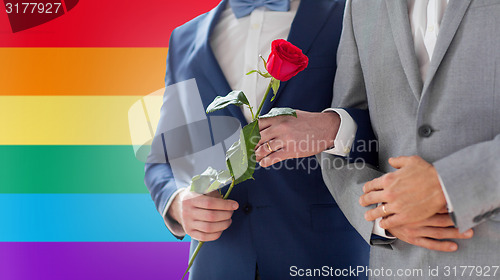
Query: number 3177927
x=33, y=8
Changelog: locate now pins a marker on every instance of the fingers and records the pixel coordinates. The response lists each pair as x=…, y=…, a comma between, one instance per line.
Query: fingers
x=373, y=197
x=436, y=245
x=210, y=203
x=214, y=194
x=392, y=220
x=438, y=220
x=265, y=123
x=432, y=238
x=211, y=227
x=444, y=233
x=266, y=136
x=400, y=162
x=395, y=220
x=264, y=150
x=274, y=158
x=374, y=185
x=261, y=153
x=443, y=210
x=270, y=128
x=440, y=226
x=373, y=214
x=205, y=217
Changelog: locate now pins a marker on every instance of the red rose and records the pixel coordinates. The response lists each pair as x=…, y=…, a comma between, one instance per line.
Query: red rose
x=285, y=60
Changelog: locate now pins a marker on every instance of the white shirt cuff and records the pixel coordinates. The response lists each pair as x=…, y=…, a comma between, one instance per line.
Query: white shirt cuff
x=448, y=201
x=172, y=225
x=377, y=230
x=346, y=134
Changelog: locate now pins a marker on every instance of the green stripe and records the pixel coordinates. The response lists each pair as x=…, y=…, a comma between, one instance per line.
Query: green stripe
x=70, y=169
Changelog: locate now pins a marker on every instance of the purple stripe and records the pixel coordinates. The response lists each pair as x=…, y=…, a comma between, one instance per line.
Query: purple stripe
x=93, y=260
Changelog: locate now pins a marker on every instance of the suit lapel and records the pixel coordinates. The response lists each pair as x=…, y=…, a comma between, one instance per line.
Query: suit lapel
x=311, y=16
x=401, y=30
x=452, y=18
x=208, y=67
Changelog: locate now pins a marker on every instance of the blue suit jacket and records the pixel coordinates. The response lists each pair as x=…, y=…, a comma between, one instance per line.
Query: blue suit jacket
x=286, y=217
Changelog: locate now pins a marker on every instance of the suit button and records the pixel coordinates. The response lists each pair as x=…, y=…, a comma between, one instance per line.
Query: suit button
x=425, y=131
x=477, y=219
x=247, y=209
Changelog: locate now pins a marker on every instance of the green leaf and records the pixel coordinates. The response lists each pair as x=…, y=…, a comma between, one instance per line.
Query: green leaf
x=263, y=59
x=210, y=180
x=265, y=75
x=275, y=84
x=236, y=97
x=223, y=178
x=279, y=112
x=240, y=158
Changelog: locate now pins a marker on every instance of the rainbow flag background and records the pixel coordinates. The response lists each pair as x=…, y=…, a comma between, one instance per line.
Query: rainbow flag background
x=73, y=204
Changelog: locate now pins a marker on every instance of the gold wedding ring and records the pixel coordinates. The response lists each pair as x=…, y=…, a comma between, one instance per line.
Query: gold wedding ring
x=269, y=147
x=383, y=209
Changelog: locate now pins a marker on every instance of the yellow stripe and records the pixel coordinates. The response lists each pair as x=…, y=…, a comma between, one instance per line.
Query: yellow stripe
x=78, y=120
x=81, y=71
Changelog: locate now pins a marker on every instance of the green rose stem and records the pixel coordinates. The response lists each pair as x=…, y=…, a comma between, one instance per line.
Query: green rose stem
x=255, y=117
x=264, y=99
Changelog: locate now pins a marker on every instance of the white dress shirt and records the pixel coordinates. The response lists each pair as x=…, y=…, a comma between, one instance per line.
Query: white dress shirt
x=425, y=20
x=238, y=42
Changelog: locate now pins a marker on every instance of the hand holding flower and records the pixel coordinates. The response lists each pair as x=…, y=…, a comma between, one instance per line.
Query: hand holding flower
x=285, y=61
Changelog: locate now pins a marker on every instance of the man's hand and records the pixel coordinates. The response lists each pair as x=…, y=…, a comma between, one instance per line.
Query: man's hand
x=286, y=137
x=410, y=194
x=431, y=232
x=203, y=217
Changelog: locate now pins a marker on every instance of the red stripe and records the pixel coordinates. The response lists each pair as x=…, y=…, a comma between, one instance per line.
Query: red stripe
x=111, y=23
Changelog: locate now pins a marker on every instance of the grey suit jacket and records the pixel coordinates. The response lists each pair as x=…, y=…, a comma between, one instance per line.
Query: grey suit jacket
x=452, y=120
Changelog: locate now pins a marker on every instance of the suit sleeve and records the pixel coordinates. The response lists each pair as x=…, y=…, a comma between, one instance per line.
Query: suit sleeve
x=345, y=177
x=159, y=178
x=472, y=180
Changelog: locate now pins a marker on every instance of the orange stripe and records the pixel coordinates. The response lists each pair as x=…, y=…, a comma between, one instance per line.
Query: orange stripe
x=81, y=71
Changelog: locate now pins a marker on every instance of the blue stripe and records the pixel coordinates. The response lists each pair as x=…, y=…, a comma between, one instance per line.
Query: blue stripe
x=81, y=218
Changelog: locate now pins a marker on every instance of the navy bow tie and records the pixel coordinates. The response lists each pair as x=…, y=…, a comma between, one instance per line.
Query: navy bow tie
x=243, y=8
